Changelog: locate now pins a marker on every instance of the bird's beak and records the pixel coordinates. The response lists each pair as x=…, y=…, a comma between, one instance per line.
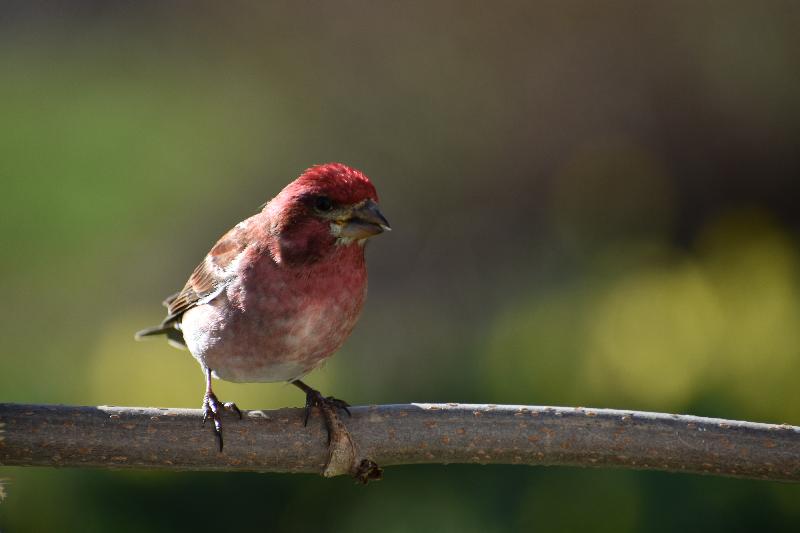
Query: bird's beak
x=365, y=220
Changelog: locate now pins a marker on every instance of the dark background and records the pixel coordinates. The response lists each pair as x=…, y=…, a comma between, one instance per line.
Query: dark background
x=594, y=203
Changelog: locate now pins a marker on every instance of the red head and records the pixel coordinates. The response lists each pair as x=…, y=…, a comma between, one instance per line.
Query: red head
x=327, y=206
x=342, y=184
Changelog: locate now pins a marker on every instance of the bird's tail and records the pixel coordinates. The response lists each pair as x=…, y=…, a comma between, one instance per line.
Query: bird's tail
x=149, y=332
x=174, y=335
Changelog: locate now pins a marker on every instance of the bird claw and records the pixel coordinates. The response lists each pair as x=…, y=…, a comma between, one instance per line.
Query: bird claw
x=327, y=406
x=212, y=408
x=315, y=399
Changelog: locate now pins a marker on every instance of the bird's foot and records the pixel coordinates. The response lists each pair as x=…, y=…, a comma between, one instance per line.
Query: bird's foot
x=315, y=399
x=212, y=408
x=326, y=404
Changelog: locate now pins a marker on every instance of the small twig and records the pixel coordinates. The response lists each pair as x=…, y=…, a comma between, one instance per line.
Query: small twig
x=276, y=441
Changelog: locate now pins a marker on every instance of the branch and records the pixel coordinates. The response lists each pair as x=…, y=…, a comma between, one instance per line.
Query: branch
x=276, y=441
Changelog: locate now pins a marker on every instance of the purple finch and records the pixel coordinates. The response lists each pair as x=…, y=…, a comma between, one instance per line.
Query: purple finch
x=280, y=292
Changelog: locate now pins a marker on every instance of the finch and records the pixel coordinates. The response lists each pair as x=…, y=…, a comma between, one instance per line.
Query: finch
x=281, y=291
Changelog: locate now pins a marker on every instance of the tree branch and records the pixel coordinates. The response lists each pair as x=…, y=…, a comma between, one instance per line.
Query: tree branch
x=276, y=441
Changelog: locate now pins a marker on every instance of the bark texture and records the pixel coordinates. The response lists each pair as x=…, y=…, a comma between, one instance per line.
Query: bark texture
x=276, y=441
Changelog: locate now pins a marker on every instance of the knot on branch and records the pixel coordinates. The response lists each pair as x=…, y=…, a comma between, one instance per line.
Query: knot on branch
x=343, y=452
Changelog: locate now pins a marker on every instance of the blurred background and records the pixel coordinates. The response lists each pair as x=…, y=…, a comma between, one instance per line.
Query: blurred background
x=593, y=203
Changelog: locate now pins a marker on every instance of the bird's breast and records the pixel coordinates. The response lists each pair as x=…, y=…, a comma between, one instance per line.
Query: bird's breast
x=277, y=323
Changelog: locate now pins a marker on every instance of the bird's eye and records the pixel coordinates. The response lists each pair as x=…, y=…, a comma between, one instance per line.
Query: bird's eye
x=323, y=203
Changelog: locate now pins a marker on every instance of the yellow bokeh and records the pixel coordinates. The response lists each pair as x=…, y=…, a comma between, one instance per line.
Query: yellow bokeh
x=721, y=321
x=652, y=336
x=755, y=271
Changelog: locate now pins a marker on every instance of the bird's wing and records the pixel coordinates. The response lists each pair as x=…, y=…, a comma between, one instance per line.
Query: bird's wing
x=210, y=277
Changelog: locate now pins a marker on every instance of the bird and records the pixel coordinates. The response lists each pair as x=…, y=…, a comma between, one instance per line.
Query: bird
x=281, y=291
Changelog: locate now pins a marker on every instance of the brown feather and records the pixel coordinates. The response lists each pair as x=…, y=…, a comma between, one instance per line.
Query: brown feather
x=209, y=274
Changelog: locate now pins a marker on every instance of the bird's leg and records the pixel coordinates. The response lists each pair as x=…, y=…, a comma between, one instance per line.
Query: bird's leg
x=212, y=408
x=315, y=399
